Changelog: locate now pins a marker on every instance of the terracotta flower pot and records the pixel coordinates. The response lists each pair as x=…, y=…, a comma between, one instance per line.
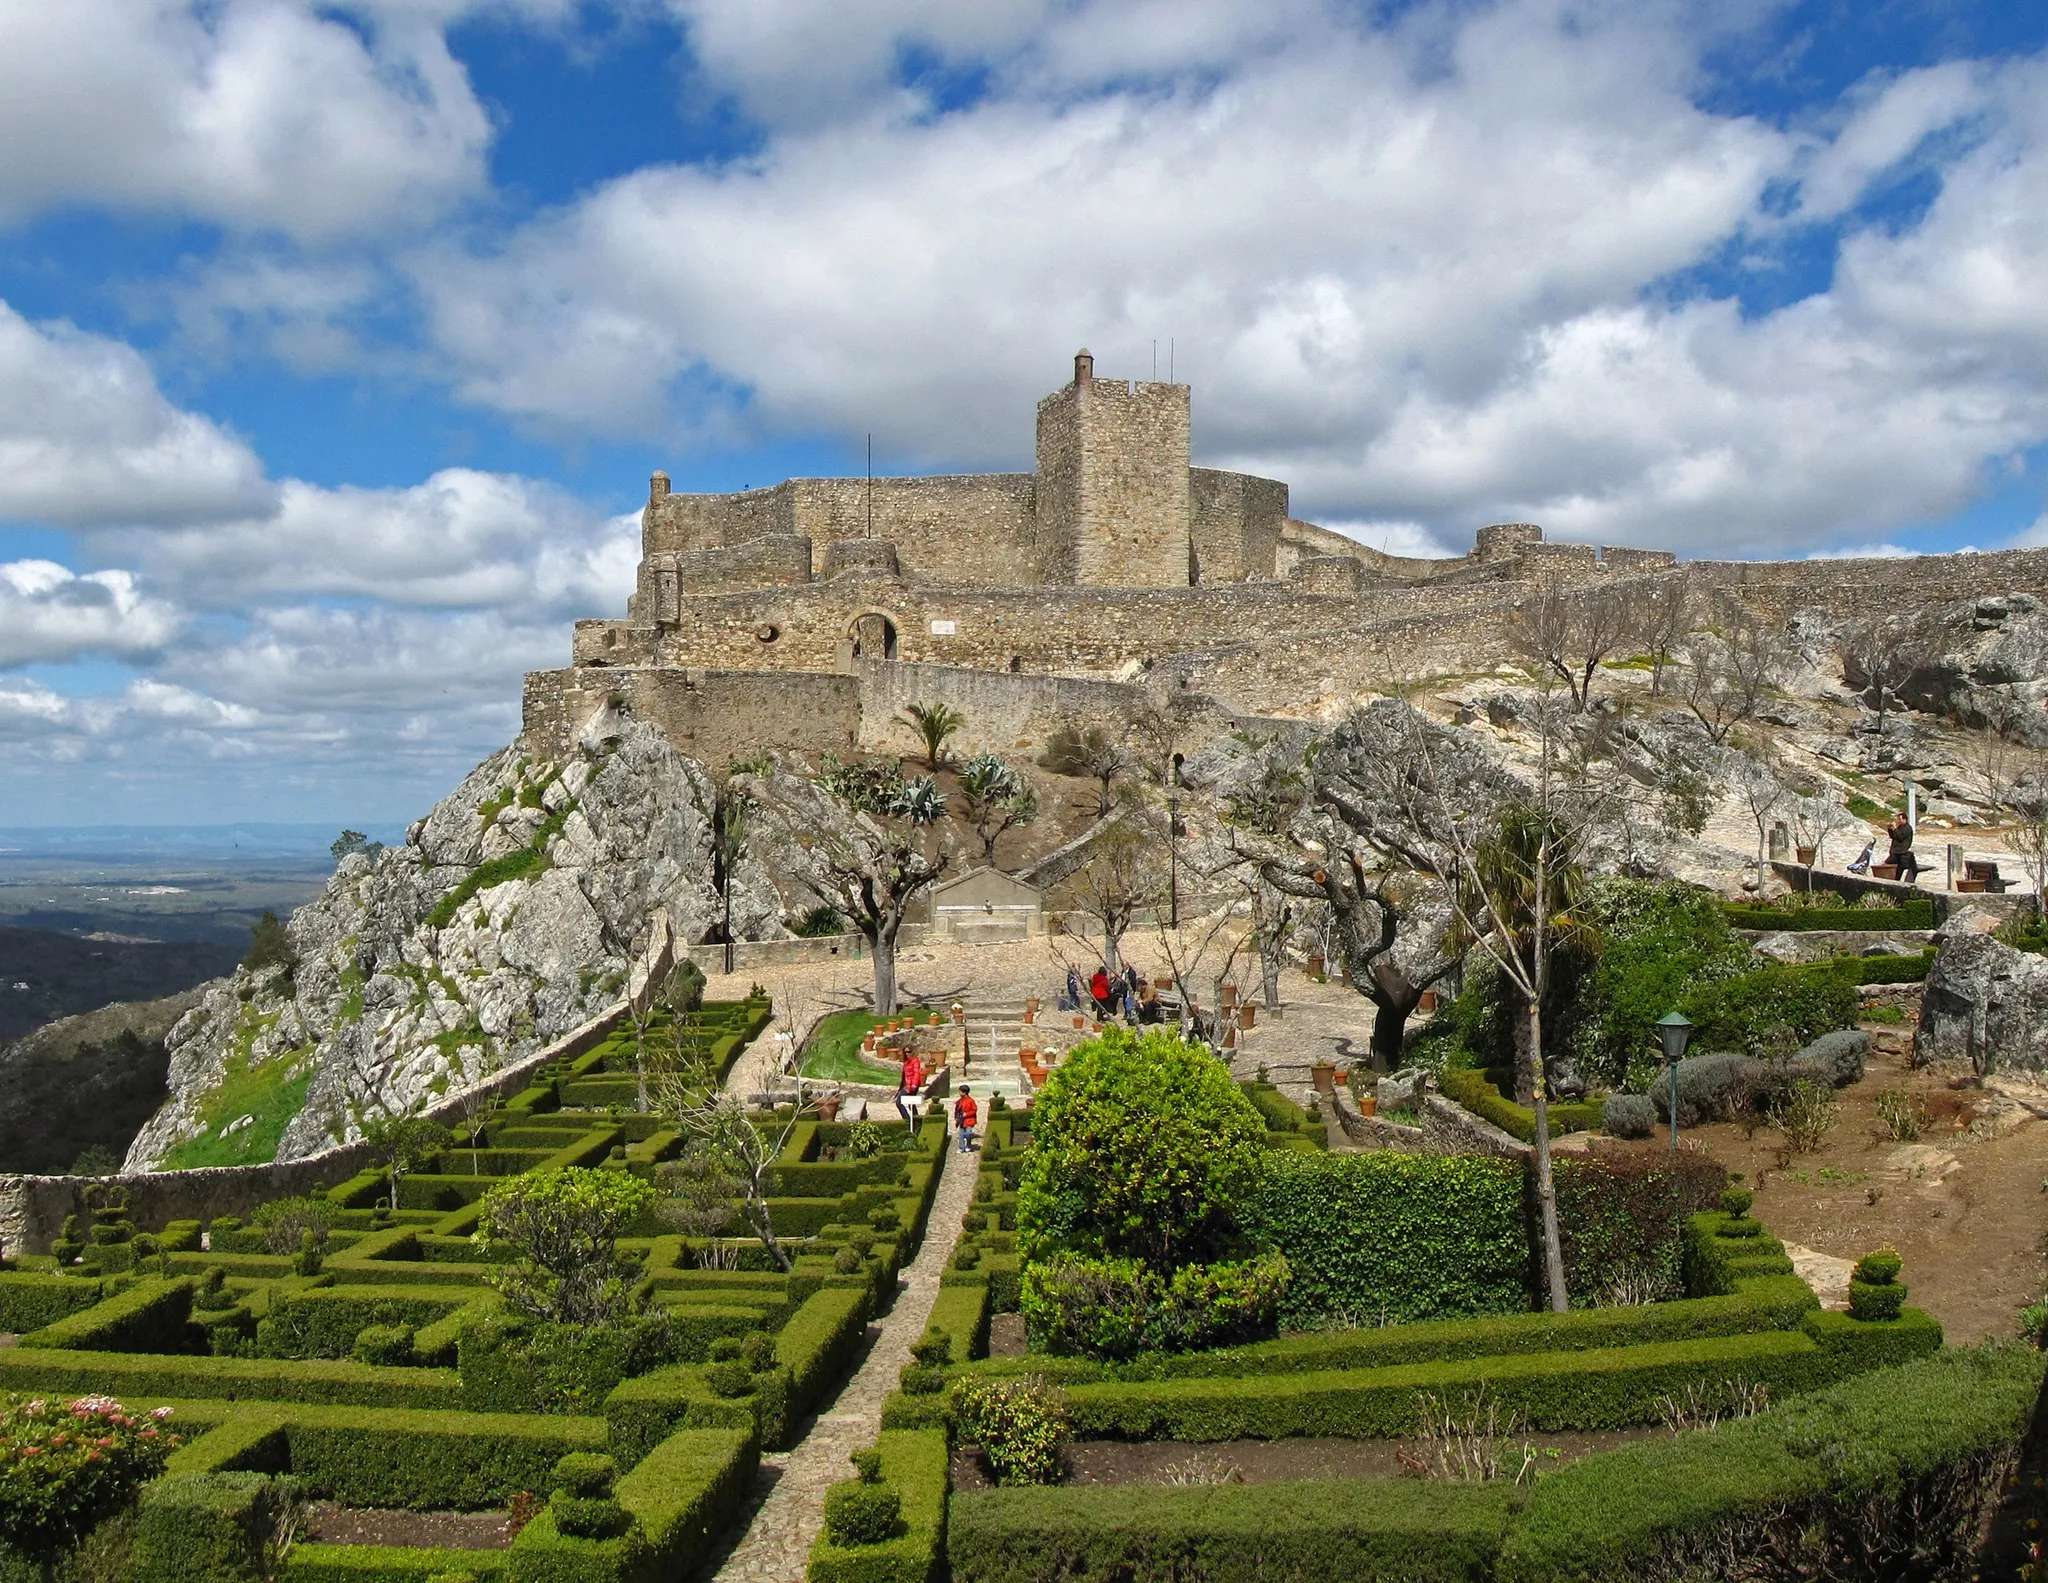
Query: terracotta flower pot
x=1080, y=1021
x=828, y=1108
x=1229, y=996
x=1428, y=1001
x=1247, y=1015
x=1805, y=855
x=1030, y=1016
x=1314, y=965
x=1368, y=1104
x=1324, y=1077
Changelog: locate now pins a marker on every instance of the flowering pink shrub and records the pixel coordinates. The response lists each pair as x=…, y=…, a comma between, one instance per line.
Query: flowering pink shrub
x=65, y=1465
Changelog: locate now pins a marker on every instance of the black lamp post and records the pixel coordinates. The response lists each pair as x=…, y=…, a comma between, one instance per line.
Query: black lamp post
x=1676, y=1031
x=1173, y=843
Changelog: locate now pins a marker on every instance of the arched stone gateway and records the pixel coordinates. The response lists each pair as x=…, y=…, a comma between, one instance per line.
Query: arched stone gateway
x=873, y=634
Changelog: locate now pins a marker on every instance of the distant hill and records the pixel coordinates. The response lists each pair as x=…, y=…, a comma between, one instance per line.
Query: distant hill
x=84, y=1081
x=46, y=974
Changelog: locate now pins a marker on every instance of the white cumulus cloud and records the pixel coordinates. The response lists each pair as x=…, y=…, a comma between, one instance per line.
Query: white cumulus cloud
x=48, y=612
x=87, y=437
x=313, y=120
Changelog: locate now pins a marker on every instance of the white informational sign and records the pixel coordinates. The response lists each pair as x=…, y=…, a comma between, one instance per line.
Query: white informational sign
x=945, y=629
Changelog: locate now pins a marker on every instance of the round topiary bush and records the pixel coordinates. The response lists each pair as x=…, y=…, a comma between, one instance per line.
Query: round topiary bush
x=1141, y=1147
x=1874, y=1290
x=582, y=1504
x=1735, y=1202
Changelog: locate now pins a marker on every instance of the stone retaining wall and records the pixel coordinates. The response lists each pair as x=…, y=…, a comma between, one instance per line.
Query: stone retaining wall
x=32, y=1208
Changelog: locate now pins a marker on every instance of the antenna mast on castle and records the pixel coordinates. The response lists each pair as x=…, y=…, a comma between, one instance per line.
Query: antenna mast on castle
x=869, y=531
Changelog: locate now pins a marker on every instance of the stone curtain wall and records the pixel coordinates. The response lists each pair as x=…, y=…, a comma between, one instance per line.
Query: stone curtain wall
x=712, y=716
x=1071, y=630
x=1012, y=715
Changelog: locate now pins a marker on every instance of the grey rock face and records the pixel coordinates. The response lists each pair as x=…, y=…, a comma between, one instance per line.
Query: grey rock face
x=401, y=991
x=1994, y=668
x=1400, y=1090
x=1985, y=1003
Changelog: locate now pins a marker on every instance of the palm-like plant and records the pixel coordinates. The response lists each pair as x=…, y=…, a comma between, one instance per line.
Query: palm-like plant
x=1525, y=881
x=996, y=797
x=935, y=725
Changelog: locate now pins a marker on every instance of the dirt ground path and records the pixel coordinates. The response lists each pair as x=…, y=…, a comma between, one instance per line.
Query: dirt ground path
x=789, y=1507
x=1967, y=1211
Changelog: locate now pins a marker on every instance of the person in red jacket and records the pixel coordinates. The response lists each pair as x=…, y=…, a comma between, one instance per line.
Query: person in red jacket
x=907, y=1086
x=1098, y=991
x=965, y=1114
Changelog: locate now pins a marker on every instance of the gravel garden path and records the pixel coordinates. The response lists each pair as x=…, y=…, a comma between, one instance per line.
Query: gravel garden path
x=789, y=1506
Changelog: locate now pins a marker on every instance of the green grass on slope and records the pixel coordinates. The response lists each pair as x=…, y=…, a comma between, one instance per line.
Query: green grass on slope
x=834, y=1049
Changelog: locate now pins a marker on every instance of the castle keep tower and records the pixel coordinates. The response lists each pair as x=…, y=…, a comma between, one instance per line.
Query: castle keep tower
x=1112, y=499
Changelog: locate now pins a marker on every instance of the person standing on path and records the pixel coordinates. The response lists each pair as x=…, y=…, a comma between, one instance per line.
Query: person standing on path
x=1901, y=834
x=965, y=1114
x=907, y=1086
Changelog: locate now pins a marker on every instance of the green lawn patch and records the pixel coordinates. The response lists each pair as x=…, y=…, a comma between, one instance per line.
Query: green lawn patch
x=834, y=1049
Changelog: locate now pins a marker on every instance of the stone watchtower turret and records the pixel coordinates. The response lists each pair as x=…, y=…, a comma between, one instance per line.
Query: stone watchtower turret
x=1112, y=499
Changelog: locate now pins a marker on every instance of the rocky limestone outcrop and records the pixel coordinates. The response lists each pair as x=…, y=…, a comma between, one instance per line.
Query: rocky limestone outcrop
x=510, y=914
x=1993, y=669
x=1986, y=1003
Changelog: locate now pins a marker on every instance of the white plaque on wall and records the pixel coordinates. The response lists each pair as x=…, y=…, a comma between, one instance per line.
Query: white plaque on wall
x=945, y=629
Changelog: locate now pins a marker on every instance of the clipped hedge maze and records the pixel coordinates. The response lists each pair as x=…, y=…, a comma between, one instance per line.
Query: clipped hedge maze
x=1870, y=1421
x=262, y=1365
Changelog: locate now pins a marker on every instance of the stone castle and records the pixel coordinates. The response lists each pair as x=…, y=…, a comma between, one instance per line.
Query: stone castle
x=809, y=614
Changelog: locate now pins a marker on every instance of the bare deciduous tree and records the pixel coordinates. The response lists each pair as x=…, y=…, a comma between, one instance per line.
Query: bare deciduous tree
x=1726, y=677
x=1763, y=793
x=1816, y=817
x=1093, y=754
x=1664, y=617
x=1505, y=861
x=725, y=1154
x=1324, y=826
x=1122, y=877
x=1570, y=632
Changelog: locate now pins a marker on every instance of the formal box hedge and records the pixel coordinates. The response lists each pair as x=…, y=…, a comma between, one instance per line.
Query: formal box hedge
x=207, y=1527
x=29, y=1301
x=319, y=1563
x=157, y=1375
x=323, y=1322
x=152, y=1316
x=914, y=1465
x=1910, y=915
x=1389, y=1530
x=1888, y=1475
x=1885, y=1475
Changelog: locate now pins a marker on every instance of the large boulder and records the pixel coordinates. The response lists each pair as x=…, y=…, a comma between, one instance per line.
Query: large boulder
x=1985, y=1003
x=510, y=915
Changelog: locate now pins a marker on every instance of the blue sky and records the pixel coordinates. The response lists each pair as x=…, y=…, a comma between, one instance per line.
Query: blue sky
x=337, y=341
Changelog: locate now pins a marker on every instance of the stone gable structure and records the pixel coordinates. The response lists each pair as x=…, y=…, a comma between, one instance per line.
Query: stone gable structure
x=805, y=615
